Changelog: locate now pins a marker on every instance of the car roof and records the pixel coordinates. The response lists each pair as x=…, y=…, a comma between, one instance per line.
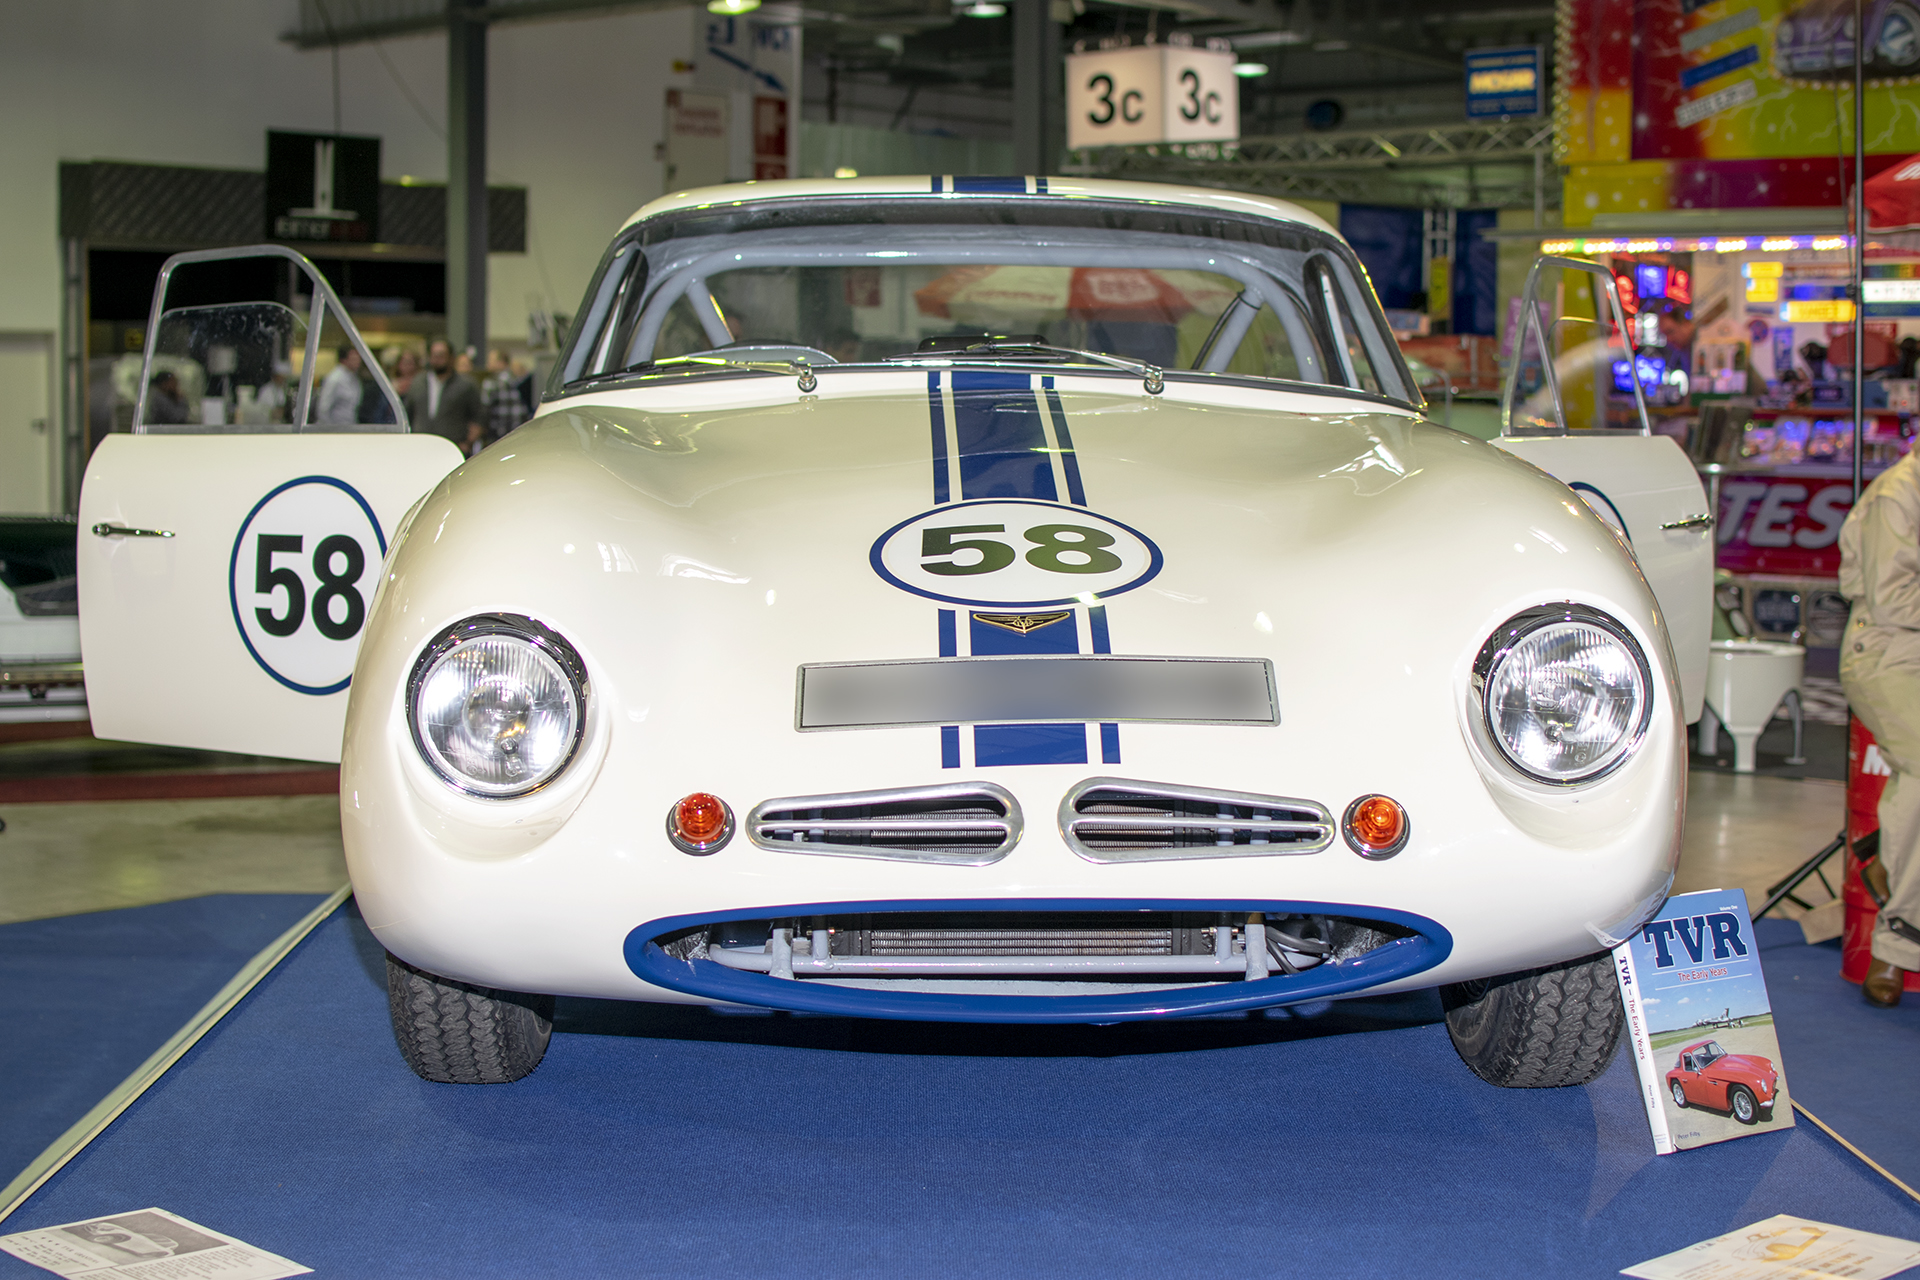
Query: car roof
x=948, y=187
x=1697, y=1044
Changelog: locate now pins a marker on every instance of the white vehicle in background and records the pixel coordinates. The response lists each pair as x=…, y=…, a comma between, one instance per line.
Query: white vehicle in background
x=39, y=621
x=962, y=599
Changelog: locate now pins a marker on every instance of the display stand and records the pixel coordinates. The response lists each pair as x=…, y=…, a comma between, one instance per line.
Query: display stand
x=1343, y=1138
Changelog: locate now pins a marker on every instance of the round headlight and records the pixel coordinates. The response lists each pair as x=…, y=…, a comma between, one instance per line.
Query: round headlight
x=1565, y=693
x=497, y=705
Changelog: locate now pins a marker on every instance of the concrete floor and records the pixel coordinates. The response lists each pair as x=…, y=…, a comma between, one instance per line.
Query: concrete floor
x=1743, y=831
x=1746, y=831
x=61, y=859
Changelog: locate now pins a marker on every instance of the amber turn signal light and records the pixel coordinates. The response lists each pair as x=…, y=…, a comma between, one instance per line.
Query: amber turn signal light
x=1376, y=827
x=700, y=824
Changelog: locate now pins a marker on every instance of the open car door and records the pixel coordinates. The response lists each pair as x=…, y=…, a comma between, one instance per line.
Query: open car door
x=230, y=546
x=1575, y=407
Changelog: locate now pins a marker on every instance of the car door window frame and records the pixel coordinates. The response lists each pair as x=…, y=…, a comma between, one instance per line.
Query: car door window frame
x=324, y=299
x=1530, y=326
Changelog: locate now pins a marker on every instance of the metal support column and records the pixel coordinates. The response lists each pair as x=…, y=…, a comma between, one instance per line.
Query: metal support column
x=467, y=174
x=1539, y=190
x=73, y=416
x=1038, y=125
x=1859, y=221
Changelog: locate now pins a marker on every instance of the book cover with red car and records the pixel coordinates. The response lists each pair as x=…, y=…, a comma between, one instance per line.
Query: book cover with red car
x=1700, y=1024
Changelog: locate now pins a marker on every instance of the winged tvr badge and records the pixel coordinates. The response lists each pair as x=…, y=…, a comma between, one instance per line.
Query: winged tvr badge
x=1022, y=623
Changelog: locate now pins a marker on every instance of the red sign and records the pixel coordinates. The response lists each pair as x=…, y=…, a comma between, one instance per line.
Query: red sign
x=1867, y=774
x=769, y=138
x=1893, y=197
x=1782, y=524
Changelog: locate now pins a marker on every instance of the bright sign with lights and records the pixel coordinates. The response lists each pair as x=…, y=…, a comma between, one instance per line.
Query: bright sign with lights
x=1629, y=297
x=1891, y=290
x=1145, y=94
x=1817, y=311
x=1503, y=82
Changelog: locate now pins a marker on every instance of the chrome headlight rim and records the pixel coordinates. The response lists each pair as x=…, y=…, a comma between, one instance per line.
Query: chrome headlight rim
x=542, y=637
x=1509, y=635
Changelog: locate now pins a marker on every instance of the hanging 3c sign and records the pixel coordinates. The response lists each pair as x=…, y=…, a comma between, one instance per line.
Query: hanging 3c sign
x=1014, y=553
x=302, y=575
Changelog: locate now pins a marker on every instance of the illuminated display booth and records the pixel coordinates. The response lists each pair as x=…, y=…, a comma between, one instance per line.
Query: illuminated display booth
x=1744, y=351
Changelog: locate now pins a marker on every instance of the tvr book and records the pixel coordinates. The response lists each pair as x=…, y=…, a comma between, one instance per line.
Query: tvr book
x=1700, y=1023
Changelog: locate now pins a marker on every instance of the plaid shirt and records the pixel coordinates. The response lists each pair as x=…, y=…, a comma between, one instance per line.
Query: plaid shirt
x=500, y=400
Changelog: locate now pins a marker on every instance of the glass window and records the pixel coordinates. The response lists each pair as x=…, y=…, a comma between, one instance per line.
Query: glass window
x=864, y=281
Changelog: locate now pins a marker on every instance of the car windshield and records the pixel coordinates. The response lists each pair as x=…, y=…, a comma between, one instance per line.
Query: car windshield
x=1709, y=1053
x=826, y=281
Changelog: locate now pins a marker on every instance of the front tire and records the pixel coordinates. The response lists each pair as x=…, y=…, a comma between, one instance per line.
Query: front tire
x=1740, y=1102
x=1679, y=1095
x=457, y=1033
x=1543, y=1029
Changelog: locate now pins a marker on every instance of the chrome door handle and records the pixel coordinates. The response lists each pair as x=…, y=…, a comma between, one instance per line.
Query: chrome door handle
x=1701, y=521
x=121, y=531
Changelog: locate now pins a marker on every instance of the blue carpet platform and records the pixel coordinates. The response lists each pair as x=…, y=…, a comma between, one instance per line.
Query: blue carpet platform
x=1339, y=1140
x=1854, y=1066
x=84, y=999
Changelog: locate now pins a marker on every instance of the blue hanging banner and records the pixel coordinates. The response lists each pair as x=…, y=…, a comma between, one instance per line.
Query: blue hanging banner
x=1503, y=83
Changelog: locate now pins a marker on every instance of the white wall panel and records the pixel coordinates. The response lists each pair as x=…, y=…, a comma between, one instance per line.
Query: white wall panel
x=574, y=113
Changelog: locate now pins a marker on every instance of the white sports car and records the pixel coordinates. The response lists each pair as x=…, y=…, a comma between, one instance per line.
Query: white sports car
x=1019, y=600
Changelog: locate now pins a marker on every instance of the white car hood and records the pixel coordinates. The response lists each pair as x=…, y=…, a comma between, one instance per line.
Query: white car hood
x=698, y=558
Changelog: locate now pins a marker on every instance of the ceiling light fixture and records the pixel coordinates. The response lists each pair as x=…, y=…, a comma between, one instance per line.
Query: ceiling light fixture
x=1268, y=39
x=984, y=9
x=732, y=8
x=1250, y=70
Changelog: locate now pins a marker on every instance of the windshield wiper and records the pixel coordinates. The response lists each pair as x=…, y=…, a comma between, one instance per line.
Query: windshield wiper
x=948, y=349
x=721, y=360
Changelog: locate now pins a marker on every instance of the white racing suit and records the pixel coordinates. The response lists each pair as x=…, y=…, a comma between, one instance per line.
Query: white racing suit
x=1880, y=669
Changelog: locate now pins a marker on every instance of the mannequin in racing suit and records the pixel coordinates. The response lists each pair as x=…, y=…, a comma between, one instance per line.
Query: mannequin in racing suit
x=1880, y=669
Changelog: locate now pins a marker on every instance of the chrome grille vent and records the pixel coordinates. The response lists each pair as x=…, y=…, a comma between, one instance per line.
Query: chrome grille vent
x=1050, y=946
x=969, y=824
x=1120, y=820
x=1031, y=934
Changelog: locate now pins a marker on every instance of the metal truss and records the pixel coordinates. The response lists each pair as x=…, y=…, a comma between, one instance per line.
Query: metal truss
x=1453, y=166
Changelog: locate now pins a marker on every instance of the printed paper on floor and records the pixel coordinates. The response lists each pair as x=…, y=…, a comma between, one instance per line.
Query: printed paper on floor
x=1785, y=1248
x=146, y=1244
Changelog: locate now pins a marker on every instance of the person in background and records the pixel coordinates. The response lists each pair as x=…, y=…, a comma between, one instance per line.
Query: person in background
x=165, y=404
x=1909, y=356
x=272, y=396
x=444, y=401
x=500, y=397
x=340, y=392
x=402, y=368
x=463, y=363
x=373, y=402
x=1880, y=671
x=406, y=367
x=1819, y=368
x=523, y=383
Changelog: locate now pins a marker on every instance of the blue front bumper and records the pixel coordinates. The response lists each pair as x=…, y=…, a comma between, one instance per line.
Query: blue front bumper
x=1400, y=958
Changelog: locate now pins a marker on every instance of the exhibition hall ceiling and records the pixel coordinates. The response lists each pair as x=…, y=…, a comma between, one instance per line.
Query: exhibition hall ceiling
x=1380, y=63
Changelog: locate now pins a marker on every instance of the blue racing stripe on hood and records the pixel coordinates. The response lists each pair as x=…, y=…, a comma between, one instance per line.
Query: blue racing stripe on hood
x=990, y=186
x=941, y=490
x=1069, y=460
x=1002, y=441
x=1003, y=448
